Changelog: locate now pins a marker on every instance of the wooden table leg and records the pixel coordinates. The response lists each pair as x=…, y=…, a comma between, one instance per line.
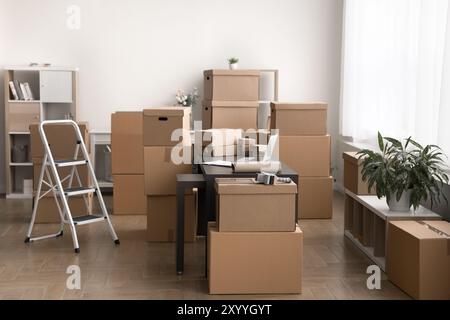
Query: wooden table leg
x=180, y=230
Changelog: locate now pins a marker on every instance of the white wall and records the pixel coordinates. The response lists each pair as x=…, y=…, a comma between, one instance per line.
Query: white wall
x=139, y=52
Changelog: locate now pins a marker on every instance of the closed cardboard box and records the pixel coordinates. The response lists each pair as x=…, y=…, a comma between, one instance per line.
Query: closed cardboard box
x=129, y=195
x=244, y=206
x=62, y=140
x=230, y=114
x=161, y=122
x=310, y=156
x=255, y=262
x=48, y=211
x=127, y=143
x=160, y=170
x=418, y=258
x=162, y=218
x=83, y=173
x=352, y=175
x=231, y=85
x=315, y=198
x=302, y=119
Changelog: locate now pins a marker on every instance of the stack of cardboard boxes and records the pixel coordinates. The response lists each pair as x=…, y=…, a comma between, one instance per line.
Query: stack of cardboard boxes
x=255, y=246
x=63, y=141
x=161, y=157
x=306, y=148
x=128, y=163
x=230, y=99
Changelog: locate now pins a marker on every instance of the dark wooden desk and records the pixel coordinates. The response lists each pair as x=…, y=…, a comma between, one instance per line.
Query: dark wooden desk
x=204, y=181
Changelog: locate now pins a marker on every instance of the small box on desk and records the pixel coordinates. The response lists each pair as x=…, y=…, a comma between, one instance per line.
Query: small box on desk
x=254, y=262
x=243, y=206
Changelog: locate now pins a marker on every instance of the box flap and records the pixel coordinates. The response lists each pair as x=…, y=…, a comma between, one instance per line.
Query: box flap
x=231, y=104
x=226, y=72
x=167, y=111
x=248, y=186
x=420, y=230
x=298, y=106
x=351, y=157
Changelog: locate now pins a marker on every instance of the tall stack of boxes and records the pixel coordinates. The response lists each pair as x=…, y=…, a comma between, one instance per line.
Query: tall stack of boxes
x=128, y=163
x=305, y=146
x=255, y=245
x=231, y=99
x=160, y=172
x=63, y=141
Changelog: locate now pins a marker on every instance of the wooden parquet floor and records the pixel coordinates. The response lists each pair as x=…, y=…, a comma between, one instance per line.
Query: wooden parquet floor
x=333, y=267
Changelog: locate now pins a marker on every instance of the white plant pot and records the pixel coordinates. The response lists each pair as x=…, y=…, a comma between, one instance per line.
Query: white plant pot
x=233, y=66
x=403, y=205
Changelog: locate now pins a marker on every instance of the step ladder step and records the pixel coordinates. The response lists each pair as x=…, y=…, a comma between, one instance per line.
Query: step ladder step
x=69, y=163
x=78, y=191
x=87, y=219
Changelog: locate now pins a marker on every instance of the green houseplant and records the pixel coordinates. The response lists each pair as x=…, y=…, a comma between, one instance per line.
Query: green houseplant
x=405, y=173
x=233, y=63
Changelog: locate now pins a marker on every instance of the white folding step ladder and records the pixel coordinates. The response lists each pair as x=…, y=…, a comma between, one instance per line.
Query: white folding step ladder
x=61, y=195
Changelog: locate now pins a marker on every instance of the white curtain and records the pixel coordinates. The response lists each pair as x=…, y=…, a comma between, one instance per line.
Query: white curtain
x=396, y=70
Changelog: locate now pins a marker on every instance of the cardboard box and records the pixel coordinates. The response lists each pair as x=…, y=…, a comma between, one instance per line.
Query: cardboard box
x=48, y=211
x=221, y=142
x=315, y=198
x=418, y=258
x=231, y=85
x=255, y=262
x=352, y=175
x=160, y=171
x=161, y=122
x=299, y=119
x=62, y=140
x=129, y=195
x=310, y=156
x=127, y=143
x=162, y=218
x=244, y=206
x=230, y=114
x=63, y=172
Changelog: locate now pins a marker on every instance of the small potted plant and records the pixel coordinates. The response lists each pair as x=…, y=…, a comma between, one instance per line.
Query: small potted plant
x=233, y=63
x=407, y=174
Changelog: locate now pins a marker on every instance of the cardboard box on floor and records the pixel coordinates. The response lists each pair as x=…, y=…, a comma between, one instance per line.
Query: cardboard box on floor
x=243, y=206
x=62, y=140
x=231, y=85
x=160, y=170
x=299, y=119
x=352, y=175
x=162, y=218
x=63, y=173
x=418, y=258
x=127, y=143
x=310, y=156
x=161, y=122
x=315, y=198
x=254, y=262
x=129, y=195
x=48, y=211
x=230, y=114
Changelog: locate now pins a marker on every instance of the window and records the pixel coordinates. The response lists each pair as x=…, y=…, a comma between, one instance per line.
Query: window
x=396, y=70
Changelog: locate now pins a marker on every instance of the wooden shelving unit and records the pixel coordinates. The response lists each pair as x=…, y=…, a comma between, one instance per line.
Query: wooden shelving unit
x=367, y=221
x=55, y=93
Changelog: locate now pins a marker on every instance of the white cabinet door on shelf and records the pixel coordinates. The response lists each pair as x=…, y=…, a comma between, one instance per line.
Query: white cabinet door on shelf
x=56, y=86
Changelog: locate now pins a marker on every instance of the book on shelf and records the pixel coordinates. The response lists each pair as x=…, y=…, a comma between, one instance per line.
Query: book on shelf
x=18, y=90
x=13, y=90
x=24, y=92
x=29, y=92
